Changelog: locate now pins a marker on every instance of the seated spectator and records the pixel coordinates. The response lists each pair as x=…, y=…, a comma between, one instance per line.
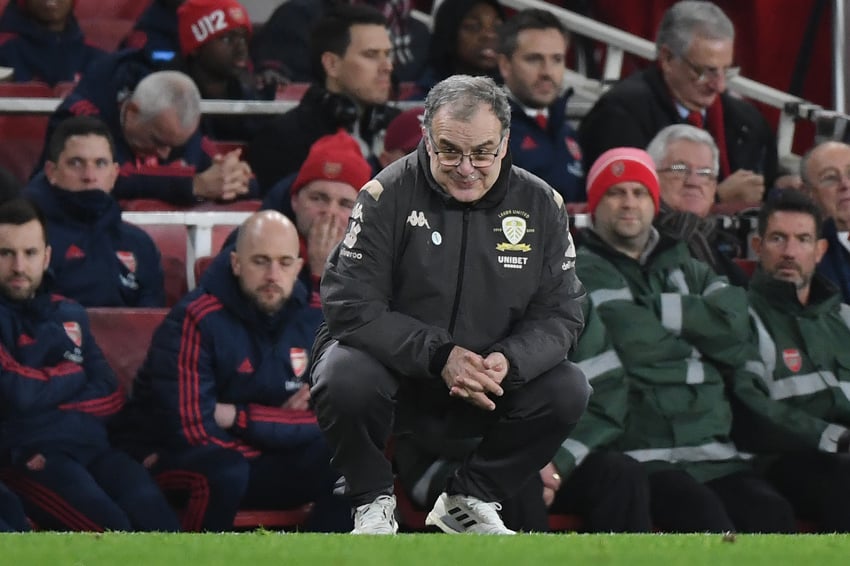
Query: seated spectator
x=216, y=57
x=825, y=171
x=532, y=53
x=12, y=516
x=97, y=259
x=156, y=31
x=223, y=377
x=607, y=489
x=463, y=42
x=57, y=393
x=403, y=135
x=281, y=48
x=153, y=118
x=691, y=325
x=802, y=332
x=351, y=58
x=42, y=41
x=688, y=84
x=686, y=159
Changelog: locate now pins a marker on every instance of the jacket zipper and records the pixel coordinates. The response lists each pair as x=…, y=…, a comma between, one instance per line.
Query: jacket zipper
x=461, y=263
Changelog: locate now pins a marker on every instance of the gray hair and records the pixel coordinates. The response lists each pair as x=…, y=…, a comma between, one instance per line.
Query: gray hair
x=162, y=90
x=804, y=161
x=463, y=94
x=689, y=18
x=660, y=144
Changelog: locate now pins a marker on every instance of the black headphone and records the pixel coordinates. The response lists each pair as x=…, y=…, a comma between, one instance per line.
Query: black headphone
x=340, y=108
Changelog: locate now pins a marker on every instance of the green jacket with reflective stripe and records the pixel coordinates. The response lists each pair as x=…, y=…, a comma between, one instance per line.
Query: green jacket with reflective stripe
x=675, y=325
x=805, y=364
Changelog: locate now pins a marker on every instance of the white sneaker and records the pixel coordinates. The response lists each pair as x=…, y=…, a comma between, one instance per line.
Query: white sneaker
x=376, y=518
x=467, y=514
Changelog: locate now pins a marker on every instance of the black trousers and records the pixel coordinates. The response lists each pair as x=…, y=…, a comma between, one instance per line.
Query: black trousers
x=354, y=400
x=818, y=486
x=743, y=502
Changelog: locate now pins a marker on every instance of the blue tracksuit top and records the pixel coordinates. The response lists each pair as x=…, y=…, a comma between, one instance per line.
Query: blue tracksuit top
x=97, y=259
x=216, y=346
x=56, y=389
x=38, y=54
x=553, y=155
x=107, y=83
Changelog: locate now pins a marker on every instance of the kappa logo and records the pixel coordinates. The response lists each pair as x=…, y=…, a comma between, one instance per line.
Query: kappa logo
x=573, y=148
x=298, y=360
x=417, y=219
x=514, y=229
x=357, y=212
x=793, y=359
x=72, y=329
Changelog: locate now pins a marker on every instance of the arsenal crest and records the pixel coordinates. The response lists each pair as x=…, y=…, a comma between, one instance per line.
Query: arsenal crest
x=618, y=168
x=573, y=148
x=72, y=329
x=792, y=358
x=128, y=259
x=298, y=360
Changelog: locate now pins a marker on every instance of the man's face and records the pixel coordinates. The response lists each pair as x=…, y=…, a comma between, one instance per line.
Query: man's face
x=226, y=55
x=535, y=71
x=790, y=249
x=363, y=72
x=623, y=217
x=828, y=173
x=480, y=135
x=24, y=256
x=266, y=263
x=319, y=201
x=156, y=136
x=710, y=58
x=50, y=13
x=477, y=36
x=691, y=190
x=84, y=164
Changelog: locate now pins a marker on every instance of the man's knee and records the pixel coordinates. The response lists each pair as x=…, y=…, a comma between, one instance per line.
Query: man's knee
x=567, y=391
x=350, y=380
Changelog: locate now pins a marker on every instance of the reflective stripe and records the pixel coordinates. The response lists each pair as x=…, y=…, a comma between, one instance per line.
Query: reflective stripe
x=695, y=373
x=705, y=452
x=577, y=449
x=677, y=279
x=671, y=312
x=598, y=365
x=829, y=438
x=604, y=295
x=755, y=366
x=716, y=286
x=798, y=385
x=419, y=493
x=767, y=348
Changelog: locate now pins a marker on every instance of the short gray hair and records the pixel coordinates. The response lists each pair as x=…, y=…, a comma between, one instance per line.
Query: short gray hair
x=660, y=144
x=463, y=94
x=162, y=90
x=689, y=18
x=804, y=161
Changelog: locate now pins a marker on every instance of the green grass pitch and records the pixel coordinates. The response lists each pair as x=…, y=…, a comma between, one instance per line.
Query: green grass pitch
x=285, y=549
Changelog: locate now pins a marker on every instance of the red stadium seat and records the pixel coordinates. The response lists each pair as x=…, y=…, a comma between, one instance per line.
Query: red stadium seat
x=122, y=9
x=148, y=205
x=172, y=241
x=292, y=92
x=220, y=233
x=106, y=32
x=211, y=147
x=31, y=89
x=249, y=205
x=21, y=142
x=201, y=265
x=747, y=265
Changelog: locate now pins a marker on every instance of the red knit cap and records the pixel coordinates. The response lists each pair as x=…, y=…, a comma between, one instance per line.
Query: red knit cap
x=199, y=21
x=336, y=157
x=619, y=165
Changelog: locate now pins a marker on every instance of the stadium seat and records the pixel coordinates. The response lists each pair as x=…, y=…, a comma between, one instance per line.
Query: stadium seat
x=220, y=233
x=154, y=205
x=120, y=9
x=747, y=265
x=201, y=265
x=31, y=89
x=148, y=205
x=292, y=92
x=106, y=32
x=172, y=241
x=248, y=205
x=211, y=147
x=21, y=142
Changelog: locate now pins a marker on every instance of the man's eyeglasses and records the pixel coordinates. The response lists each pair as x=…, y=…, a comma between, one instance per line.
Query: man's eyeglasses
x=478, y=159
x=705, y=74
x=683, y=171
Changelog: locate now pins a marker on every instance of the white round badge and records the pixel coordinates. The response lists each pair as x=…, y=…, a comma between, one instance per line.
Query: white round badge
x=436, y=238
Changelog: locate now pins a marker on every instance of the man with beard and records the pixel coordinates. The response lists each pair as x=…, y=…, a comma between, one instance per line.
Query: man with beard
x=532, y=53
x=802, y=332
x=98, y=260
x=218, y=411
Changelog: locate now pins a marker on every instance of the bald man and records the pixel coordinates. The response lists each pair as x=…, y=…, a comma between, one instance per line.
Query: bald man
x=224, y=379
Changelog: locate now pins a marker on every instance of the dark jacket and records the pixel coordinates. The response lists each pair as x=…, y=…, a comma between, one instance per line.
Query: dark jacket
x=835, y=264
x=97, y=259
x=57, y=388
x=554, y=154
x=634, y=110
x=156, y=32
x=38, y=54
x=419, y=272
x=281, y=147
x=216, y=346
